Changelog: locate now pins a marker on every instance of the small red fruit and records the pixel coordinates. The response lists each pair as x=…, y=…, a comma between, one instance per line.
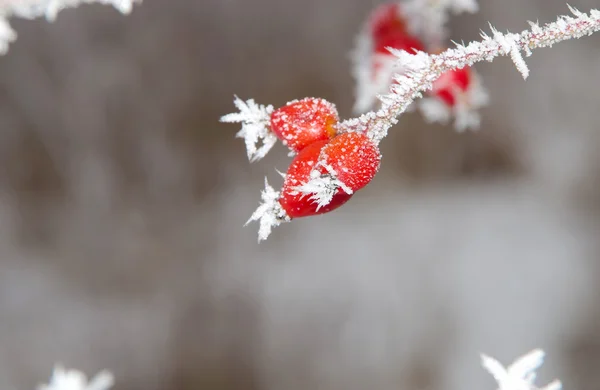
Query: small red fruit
x=354, y=158
x=303, y=122
x=350, y=158
x=451, y=84
x=296, y=203
x=385, y=20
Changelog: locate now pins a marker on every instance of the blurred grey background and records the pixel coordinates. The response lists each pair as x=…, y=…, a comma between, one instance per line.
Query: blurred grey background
x=123, y=199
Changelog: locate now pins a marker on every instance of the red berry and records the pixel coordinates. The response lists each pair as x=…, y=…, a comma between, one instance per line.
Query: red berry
x=303, y=122
x=451, y=84
x=399, y=41
x=297, y=204
x=385, y=20
x=354, y=157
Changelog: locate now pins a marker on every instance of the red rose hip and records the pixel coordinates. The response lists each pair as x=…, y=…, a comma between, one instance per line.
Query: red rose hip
x=297, y=203
x=303, y=122
x=354, y=158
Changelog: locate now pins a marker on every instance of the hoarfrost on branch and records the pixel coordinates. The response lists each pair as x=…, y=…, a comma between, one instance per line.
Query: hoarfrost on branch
x=421, y=69
x=31, y=9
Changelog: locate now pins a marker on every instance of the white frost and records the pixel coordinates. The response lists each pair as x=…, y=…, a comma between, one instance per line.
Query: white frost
x=322, y=187
x=521, y=374
x=428, y=19
x=255, y=120
x=423, y=69
x=270, y=214
x=76, y=380
x=31, y=9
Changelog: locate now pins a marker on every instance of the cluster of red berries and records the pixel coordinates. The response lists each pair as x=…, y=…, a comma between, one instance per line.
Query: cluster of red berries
x=328, y=167
x=388, y=28
x=332, y=162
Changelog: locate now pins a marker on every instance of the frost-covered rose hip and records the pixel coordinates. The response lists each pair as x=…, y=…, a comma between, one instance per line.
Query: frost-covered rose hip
x=325, y=175
x=297, y=124
x=301, y=204
x=303, y=122
x=354, y=159
x=322, y=177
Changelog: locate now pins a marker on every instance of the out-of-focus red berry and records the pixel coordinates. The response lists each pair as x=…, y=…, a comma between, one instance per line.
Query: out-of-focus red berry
x=398, y=41
x=451, y=84
x=385, y=20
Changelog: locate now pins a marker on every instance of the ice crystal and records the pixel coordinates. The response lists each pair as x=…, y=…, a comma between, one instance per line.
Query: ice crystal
x=322, y=186
x=255, y=127
x=270, y=213
x=76, y=380
x=521, y=374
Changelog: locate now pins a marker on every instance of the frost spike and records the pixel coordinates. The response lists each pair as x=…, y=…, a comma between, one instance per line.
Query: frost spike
x=255, y=121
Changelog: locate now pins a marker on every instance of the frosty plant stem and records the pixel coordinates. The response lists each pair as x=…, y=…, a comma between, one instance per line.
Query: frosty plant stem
x=423, y=69
x=320, y=184
x=31, y=9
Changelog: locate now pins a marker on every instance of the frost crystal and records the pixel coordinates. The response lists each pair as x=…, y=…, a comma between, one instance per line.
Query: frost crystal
x=322, y=187
x=521, y=374
x=270, y=214
x=255, y=127
x=76, y=380
x=31, y=9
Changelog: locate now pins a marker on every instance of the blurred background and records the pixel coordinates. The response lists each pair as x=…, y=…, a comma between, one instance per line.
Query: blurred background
x=123, y=199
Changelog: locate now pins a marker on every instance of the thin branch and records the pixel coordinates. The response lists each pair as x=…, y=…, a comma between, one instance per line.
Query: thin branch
x=423, y=69
x=31, y=9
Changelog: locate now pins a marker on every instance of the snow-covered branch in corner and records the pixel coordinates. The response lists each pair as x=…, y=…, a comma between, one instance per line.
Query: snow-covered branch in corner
x=31, y=9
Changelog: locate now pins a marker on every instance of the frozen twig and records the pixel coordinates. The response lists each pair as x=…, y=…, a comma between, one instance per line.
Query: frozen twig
x=426, y=19
x=423, y=69
x=31, y=9
x=418, y=72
